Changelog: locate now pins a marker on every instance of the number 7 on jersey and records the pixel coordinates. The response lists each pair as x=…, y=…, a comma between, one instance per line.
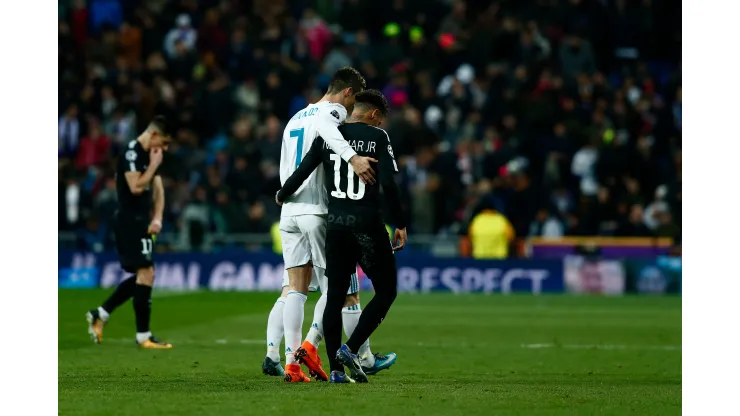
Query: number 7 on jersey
x=298, y=134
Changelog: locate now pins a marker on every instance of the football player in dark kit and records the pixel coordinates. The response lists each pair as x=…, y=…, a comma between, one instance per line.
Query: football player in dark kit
x=136, y=224
x=356, y=232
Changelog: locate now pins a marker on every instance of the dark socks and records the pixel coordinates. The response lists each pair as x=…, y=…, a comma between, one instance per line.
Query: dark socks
x=374, y=312
x=124, y=291
x=333, y=319
x=142, y=307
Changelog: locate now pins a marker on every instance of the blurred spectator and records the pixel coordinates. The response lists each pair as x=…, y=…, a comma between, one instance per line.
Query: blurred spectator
x=93, y=149
x=576, y=57
x=490, y=233
x=182, y=33
x=227, y=217
x=91, y=237
x=105, y=12
x=336, y=59
x=69, y=132
x=633, y=226
x=130, y=43
x=584, y=162
x=106, y=203
x=546, y=226
x=257, y=222
x=195, y=221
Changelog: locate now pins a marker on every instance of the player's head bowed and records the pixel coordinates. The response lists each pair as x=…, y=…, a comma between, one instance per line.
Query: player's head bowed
x=346, y=83
x=158, y=133
x=371, y=106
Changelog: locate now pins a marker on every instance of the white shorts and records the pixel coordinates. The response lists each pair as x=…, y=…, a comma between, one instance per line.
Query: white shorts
x=303, y=239
x=316, y=285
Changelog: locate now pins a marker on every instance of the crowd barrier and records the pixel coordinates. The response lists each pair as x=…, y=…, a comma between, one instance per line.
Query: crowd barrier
x=263, y=271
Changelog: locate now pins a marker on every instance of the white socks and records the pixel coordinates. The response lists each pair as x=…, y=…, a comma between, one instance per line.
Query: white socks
x=292, y=323
x=350, y=318
x=316, y=333
x=275, y=330
x=104, y=315
x=142, y=336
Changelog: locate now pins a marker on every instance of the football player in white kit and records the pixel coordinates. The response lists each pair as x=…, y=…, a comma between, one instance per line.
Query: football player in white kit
x=302, y=220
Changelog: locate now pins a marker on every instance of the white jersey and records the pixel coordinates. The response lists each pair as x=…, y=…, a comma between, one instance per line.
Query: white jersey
x=320, y=119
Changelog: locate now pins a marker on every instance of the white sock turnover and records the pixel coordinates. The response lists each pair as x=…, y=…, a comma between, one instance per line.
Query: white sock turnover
x=275, y=329
x=350, y=318
x=293, y=323
x=316, y=333
x=142, y=336
x=104, y=315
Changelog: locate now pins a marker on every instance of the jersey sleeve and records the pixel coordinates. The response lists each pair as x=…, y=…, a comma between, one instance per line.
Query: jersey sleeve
x=387, y=169
x=133, y=161
x=308, y=165
x=328, y=129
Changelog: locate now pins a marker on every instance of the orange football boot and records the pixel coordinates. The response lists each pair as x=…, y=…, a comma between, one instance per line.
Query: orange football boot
x=154, y=343
x=309, y=356
x=95, y=326
x=294, y=374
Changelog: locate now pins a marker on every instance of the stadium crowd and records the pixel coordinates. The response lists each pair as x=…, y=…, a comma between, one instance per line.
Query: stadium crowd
x=562, y=115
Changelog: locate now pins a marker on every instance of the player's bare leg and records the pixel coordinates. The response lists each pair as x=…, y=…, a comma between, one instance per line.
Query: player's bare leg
x=300, y=278
x=271, y=364
x=143, y=310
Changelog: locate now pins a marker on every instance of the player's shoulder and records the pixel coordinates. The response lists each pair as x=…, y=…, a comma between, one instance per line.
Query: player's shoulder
x=329, y=109
x=364, y=128
x=134, y=150
x=134, y=145
x=385, y=141
x=381, y=133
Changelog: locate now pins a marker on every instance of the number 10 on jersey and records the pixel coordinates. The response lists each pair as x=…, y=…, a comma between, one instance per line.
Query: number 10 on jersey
x=337, y=192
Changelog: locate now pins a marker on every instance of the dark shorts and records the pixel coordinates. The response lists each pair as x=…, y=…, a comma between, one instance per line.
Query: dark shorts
x=371, y=250
x=133, y=243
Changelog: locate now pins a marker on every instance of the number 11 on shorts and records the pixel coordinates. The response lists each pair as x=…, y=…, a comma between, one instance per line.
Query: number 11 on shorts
x=146, y=246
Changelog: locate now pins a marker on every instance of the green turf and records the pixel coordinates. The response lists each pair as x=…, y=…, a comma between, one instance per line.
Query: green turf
x=458, y=355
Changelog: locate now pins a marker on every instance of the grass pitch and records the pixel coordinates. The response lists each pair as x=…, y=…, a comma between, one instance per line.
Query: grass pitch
x=457, y=355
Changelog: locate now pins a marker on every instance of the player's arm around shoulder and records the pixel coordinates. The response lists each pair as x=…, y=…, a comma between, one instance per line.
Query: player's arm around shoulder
x=329, y=130
x=331, y=117
x=309, y=163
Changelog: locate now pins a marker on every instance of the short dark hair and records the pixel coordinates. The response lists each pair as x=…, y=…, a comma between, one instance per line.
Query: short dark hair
x=373, y=99
x=160, y=124
x=346, y=77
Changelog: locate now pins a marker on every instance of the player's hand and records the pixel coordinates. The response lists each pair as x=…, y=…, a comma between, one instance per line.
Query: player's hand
x=155, y=156
x=155, y=226
x=399, y=239
x=280, y=204
x=361, y=165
